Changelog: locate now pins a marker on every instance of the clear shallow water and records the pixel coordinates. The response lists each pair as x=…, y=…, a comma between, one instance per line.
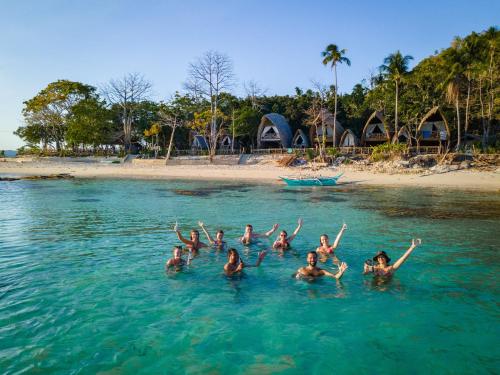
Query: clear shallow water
x=83, y=287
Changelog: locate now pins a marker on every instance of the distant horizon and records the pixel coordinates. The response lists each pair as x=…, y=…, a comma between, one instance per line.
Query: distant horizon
x=268, y=44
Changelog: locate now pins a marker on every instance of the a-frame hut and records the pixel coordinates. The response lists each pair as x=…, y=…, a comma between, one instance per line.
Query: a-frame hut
x=226, y=142
x=327, y=117
x=376, y=130
x=274, y=132
x=348, y=139
x=433, y=129
x=199, y=143
x=403, y=136
x=300, y=139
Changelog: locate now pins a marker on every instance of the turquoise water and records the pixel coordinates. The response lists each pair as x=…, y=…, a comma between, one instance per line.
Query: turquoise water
x=83, y=287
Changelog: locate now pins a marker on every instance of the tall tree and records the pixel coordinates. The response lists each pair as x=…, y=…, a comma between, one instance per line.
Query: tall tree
x=333, y=56
x=127, y=93
x=394, y=68
x=208, y=77
x=47, y=113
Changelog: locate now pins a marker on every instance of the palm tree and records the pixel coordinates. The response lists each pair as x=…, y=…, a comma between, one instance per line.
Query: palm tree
x=332, y=55
x=394, y=68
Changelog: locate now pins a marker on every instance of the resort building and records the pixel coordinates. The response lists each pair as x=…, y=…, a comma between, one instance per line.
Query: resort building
x=403, y=136
x=274, y=132
x=226, y=142
x=325, y=118
x=348, y=139
x=199, y=143
x=433, y=129
x=300, y=140
x=376, y=130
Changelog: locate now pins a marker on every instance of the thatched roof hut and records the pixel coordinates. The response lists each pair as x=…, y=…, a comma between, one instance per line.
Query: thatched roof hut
x=199, y=143
x=327, y=117
x=403, y=136
x=376, y=130
x=348, y=139
x=433, y=128
x=300, y=139
x=274, y=131
x=226, y=142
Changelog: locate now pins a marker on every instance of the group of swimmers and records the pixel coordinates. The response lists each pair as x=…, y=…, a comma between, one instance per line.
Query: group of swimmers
x=379, y=265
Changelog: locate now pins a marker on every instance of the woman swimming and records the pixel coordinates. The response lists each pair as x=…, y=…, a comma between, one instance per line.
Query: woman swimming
x=176, y=260
x=235, y=264
x=193, y=243
x=218, y=243
x=283, y=242
x=382, y=266
x=325, y=250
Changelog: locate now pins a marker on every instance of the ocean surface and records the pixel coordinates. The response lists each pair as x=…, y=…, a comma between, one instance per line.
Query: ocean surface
x=83, y=289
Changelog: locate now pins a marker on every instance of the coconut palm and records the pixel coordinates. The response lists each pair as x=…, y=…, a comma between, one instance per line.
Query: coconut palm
x=394, y=68
x=333, y=56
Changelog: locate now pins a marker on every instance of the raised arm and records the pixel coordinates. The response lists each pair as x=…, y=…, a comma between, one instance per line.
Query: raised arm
x=339, y=236
x=338, y=275
x=400, y=261
x=179, y=236
x=202, y=226
x=290, y=239
x=271, y=231
x=262, y=254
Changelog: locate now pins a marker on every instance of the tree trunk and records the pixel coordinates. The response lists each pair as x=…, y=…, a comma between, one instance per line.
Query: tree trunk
x=466, y=127
x=483, y=120
x=459, y=133
x=396, y=109
x=335, y=109
x=170, y=144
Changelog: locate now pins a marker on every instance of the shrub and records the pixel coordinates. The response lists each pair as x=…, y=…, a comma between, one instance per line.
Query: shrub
x=388, y=150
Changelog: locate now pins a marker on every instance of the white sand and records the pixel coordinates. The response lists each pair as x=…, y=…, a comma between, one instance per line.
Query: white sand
x=267, y=173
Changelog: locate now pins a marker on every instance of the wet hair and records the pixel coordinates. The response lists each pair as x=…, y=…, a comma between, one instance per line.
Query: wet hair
x=249, y=226
x=323, y=235
x=194, y=231
x=284, y=231
x=312, y=252
x=177, y=248
x=220, y=231
x=230, y=251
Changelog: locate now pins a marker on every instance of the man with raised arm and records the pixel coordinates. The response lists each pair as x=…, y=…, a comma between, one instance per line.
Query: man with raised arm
x=250, y=235
x=311, y=271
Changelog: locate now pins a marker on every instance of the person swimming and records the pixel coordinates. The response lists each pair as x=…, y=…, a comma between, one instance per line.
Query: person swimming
x=250, y=235
x=218, y=242
x=194, y=242
x=325, y=250
x=311, y=271
x=283, y=242
x=382, y=266
x=235, y=265
x=176, y=260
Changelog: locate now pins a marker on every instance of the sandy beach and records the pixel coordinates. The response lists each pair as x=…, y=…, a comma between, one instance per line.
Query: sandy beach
x=258, y=173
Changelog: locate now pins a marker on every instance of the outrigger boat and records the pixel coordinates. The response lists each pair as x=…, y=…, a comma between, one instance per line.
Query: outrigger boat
x=311, y=181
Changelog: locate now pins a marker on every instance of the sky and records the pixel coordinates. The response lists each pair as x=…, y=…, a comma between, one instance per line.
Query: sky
x=276, y=43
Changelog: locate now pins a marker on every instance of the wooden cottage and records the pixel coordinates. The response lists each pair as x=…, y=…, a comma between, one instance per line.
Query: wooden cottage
x=348, y=139
x=376, y=130
x=403, y=136
x=274, y=132
x=433, y=129
x=317, y=136
x=300, y=139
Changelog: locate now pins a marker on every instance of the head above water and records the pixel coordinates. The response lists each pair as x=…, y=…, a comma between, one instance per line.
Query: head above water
x=284, y=234
x=177, y=251
x=312, y=258
x=194, y=234
x=323, y=239
x=382, y=256
x=232, y=256
x=249, y=228
x=220, y=234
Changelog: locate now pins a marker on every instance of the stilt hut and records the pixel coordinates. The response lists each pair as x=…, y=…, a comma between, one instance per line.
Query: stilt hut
x=317, y=136
x=403, y=136
x=433, y=129
x=376, y=130
x=348, y=139
x=199, y=143
x=300, y=139
x=226, y=142
x=274, y=132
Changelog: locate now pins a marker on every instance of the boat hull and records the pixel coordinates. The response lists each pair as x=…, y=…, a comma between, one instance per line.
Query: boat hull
x=320, y=181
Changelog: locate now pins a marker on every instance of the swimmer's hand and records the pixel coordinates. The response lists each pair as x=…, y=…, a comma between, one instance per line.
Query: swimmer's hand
x=416, y=242
x=176, y=227
x=201, y=224
x=344, y=226
x=300, y=221
x=275, y=226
